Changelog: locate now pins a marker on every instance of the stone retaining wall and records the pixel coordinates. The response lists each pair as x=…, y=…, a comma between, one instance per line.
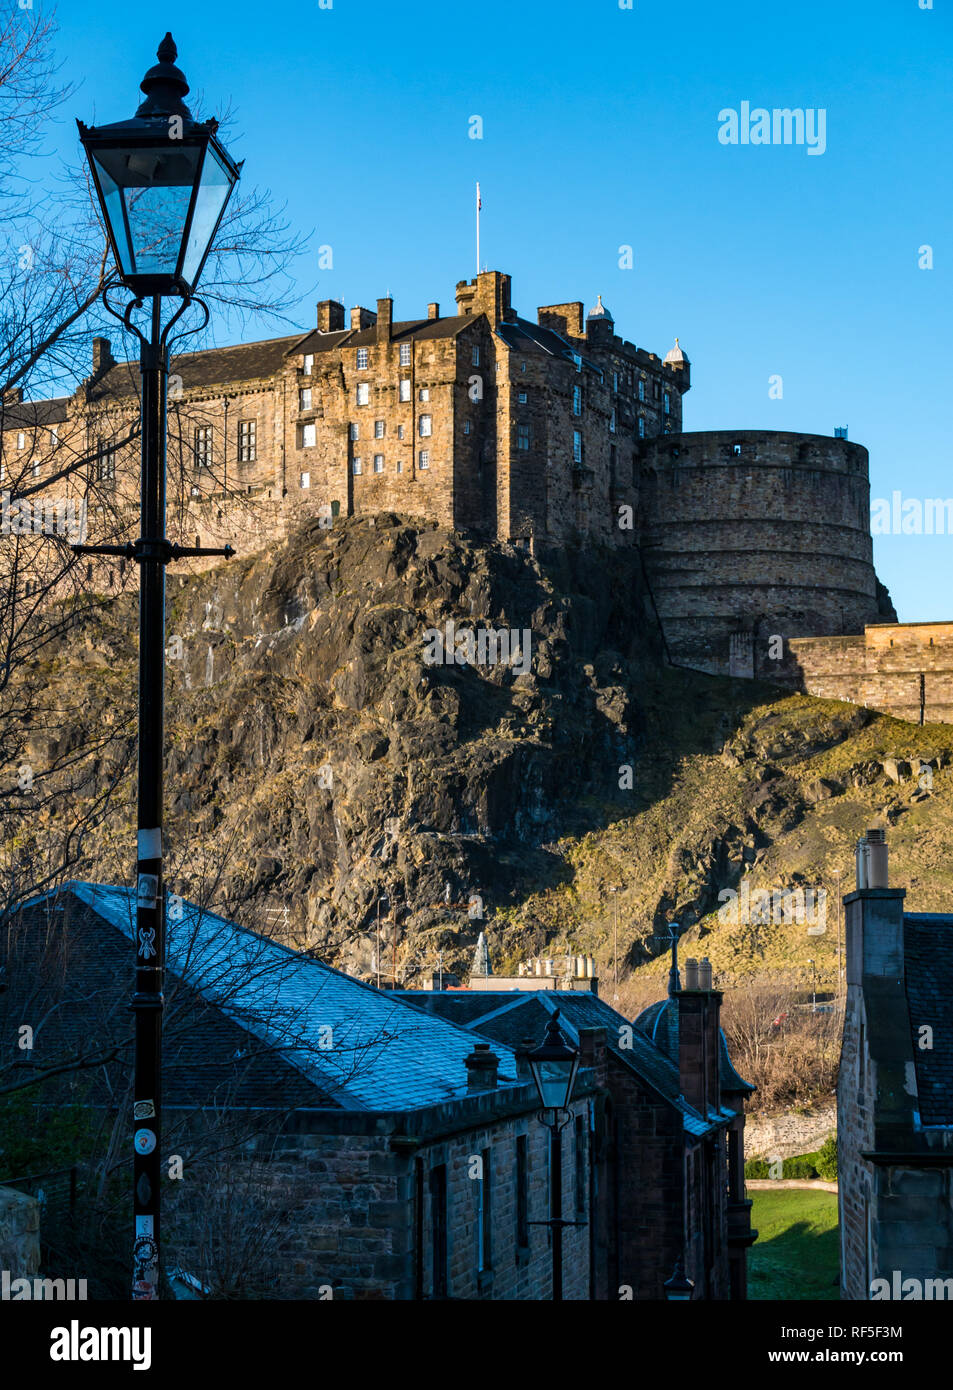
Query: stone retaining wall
x=789, y=1135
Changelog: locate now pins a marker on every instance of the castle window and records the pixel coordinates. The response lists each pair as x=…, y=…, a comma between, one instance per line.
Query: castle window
x=400, y=466
x=355, y=431
x=36, y=468
x=247, y=440
x=577, y=400
x=304, y=398
x=466, y=427
x=641, y=390
x=362, y=359
x=656, y=390
x=105, y=463
x=523, y=397
x=307, y=364
x=423, y=460
x=475, y=357
x=405, y=354
x=309, y=436
x=424, y=393
x=21, y=439
x=3, y=471
x=612, y=422
x=304, y=480
x=667, y=402
x=425, y=427
x=577, y=446
x=641, y=426
x=522, y=366
x=736, y=450
x=400, y=431
x=615, y=381
x=378, y=429
x=357, y=466
x=203, y=446
x=364, y=394
x=405, y=389
x=522, y=436
x=378, y=463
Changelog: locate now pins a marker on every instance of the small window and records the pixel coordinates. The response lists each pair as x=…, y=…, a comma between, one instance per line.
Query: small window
x=362, y=359
x=615, y=381
x=425, y=427
x=304, y=398
x=475, y=357
x=203, y=446
x=522, y=436
x=307, y=364
x=641, y=390
x=612, y=422
x=36, y=468
x=378, y=463
x=400, y=431
x=357, y=466
x=577, y=446
x=404, y=388
x=736, y=450
x=424, y=459
x=523, y=397
x=309, y=436
x=3, y=471
x=247, y=440
x=641, y=426
x=400, y=466
x=667, y=402
x=54, y=434
x=522, y=366
x=424, y=393
x=378, y=429
x=466, y=427
x=304, y=480
x=21, y=440
x=364, y=394
x=355, y=431
x=577, y=400
x=405, y=354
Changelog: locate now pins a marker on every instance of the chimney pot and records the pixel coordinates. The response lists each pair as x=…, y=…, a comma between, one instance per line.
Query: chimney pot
x=102, y=355
x=691, y=973
x=482, y=1068
x=704, y=973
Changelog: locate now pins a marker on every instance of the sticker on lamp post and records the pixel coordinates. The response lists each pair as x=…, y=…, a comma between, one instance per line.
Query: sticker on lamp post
x=144, y=1141
x=148, y=890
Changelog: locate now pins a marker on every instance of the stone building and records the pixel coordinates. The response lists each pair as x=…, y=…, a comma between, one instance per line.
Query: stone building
x=895, y=1093
x=672, y=1125
x=903, y=668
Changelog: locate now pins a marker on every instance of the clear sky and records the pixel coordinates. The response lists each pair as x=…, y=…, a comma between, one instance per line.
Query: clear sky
x=601, y=129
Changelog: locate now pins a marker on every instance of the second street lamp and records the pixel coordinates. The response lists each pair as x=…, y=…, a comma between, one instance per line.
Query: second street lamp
x=554, y=1065
x=163, y=181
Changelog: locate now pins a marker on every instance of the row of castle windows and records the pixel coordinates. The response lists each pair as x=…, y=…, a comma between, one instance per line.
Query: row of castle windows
x=357, y=464
x=363, y=359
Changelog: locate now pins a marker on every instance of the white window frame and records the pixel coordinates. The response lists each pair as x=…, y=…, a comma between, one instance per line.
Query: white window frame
x=304, y=398
x=304, y=480
x=424, y=393
x=307, y=364
x=309, y=436
x=21, y=439
x=577, y=400
x=380, y=427
x=405, y=354
x=363, y=393
x=423, y=459
x=362, y=359
x=354, y=431
x=378, y=463
x=425, y=426
x=577, y=446
x=357, y=465
x=404, y=389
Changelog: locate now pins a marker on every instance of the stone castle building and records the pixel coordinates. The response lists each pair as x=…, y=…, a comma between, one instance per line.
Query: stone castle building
x=540, y=433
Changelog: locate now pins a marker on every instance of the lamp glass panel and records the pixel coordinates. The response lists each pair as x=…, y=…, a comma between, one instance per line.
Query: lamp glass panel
x=551, y=1081
x=146, y=191
x=212, y=195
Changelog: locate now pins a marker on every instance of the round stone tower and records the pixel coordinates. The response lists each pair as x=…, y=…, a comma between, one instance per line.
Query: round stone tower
x=754, y=535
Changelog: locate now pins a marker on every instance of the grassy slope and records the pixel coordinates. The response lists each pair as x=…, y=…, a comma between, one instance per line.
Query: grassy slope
x=796, y=1254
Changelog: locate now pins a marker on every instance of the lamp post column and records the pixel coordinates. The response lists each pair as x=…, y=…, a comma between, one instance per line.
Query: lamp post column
x=147, y=1002
x=556, y=1211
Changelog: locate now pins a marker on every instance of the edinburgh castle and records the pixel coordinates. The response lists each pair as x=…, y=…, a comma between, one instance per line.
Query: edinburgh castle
x=534, y=433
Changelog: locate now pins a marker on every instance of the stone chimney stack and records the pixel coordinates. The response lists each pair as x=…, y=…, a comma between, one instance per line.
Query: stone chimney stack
x=699, y=1032
x=465, y=295
x=873, y=916
x=433, y=310
x=385, y=315
x=482, y=1067
x=330, y=316
x=362, y=318
x=102, y=356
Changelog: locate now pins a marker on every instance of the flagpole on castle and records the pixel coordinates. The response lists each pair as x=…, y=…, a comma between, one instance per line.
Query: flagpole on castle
x=478, y=207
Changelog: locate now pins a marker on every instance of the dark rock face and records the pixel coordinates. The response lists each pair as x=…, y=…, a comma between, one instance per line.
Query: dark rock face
x=309, y=722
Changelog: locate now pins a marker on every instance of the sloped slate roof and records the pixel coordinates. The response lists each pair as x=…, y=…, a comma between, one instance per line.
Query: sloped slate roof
x=208, y=367
x=521, y=334
x=510, y=1018
x=928, y=982
x=25, y=415
x=401, y=330
x=368, y=1050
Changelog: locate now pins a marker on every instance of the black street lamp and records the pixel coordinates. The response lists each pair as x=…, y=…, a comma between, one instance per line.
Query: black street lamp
x=163, y=182
x=678, y=1289
x=554, y=1065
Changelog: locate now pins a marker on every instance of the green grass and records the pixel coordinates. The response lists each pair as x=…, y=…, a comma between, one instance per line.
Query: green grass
x=797, y=1251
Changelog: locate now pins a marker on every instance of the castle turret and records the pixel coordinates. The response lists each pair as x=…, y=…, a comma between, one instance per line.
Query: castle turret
x=680, y=364
x=600, y=325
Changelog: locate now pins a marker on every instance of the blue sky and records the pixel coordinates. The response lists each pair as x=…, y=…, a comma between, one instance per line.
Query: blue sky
x=600, y=128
